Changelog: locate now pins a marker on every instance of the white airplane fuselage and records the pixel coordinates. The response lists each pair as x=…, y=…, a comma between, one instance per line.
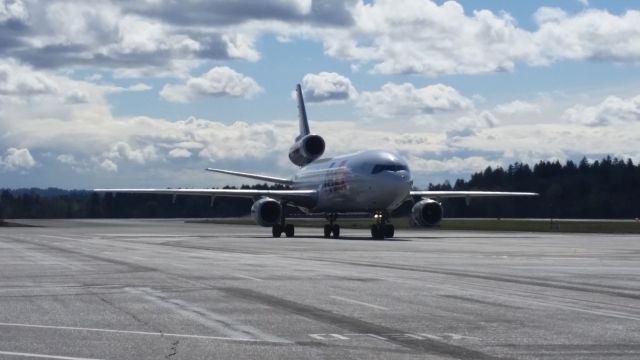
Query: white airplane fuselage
x=361, y=182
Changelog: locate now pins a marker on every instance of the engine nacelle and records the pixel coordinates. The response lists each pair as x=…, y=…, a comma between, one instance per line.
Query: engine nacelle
x=427, y=212
x=266, y=212
x=307, y=149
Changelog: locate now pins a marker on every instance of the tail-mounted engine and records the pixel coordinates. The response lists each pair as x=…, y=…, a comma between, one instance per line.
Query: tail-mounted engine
x=306, y=149
x=427, y=212
x=266, y=212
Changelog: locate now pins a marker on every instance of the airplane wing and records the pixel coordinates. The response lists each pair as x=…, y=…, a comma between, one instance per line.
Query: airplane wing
x=297, y=196
x=467, y=194
x=272, y=179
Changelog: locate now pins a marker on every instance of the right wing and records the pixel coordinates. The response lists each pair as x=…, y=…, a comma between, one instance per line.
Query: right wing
x=296, y=196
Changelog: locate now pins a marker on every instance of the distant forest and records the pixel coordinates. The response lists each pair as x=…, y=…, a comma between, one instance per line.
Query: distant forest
x=609, y=188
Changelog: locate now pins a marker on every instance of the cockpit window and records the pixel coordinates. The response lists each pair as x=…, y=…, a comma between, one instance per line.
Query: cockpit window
x=388, y=167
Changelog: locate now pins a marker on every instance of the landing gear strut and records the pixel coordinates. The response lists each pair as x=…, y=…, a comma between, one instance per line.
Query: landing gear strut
x=278, y=229
x=381, y=229
x=331, y=228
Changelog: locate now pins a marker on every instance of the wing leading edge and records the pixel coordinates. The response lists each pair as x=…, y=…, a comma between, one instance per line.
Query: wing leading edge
x=468, y=194
x=296, y=196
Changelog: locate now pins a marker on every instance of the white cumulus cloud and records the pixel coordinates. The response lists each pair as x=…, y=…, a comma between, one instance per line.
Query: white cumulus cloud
x=13, y=9
x=432, y=39
x=327, y=86
x=405, y=99
x=109, y=166
x=611, y=110
x=16, y=79
x=590, y=35
x=517, y=107
x=219, y=81
x=17, y=159
x=179, y=153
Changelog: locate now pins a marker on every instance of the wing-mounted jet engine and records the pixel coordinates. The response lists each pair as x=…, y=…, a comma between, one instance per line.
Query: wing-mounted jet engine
x=427, y=212
x=270, y=212
x=307, y=147
x=266, y=211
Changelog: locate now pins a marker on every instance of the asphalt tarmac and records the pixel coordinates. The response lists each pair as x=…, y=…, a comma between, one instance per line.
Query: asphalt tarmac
x=165, y=289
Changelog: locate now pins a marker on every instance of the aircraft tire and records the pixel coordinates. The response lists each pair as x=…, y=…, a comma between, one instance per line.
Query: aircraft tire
x=377, y=232
x=276, y=231
x=388, y=230
x=336, y=231
x=327, y=230
x=289, y=230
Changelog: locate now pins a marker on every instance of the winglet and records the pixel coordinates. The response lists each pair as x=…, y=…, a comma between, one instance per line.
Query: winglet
x=302, y=113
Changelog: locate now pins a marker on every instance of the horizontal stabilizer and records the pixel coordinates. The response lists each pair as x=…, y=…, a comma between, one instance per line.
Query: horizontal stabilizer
x=271, y=179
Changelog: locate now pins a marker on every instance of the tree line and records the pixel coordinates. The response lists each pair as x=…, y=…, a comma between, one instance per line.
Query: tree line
x=607, y=188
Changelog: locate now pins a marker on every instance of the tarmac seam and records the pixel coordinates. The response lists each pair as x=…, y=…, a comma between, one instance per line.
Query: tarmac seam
x=430, y=346
x=487, y=277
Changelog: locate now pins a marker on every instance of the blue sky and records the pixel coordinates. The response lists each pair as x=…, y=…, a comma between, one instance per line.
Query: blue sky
x=148, y=93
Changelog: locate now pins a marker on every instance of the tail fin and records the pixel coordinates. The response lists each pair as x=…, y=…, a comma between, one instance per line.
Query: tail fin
x=302, y=114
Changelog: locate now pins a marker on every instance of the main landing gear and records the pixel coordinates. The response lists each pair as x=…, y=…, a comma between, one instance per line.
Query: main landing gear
x=287, y=229
x=381, y=229
x=331, y=228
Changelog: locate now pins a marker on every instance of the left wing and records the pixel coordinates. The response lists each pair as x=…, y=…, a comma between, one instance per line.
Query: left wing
x=296, y=196
x=467, y=194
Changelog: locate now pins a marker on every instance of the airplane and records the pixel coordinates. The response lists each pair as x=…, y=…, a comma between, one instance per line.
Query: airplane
x=373, y=182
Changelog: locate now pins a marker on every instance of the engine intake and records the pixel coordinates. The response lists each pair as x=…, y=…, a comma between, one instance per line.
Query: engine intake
x=306, y=149
x=427, y=212
x=266, y=212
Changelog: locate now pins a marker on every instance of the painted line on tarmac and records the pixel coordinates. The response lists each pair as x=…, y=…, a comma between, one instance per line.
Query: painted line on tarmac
x=134, y=332
x=248, y=277
x=43, y=356
x=218, y=322
x=359, y=302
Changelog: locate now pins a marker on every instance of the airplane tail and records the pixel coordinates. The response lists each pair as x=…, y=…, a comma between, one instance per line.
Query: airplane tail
x=307, y=146
x=302, y=114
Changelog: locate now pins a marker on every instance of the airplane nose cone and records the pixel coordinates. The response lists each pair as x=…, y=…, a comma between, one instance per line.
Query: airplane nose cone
x=393, y=188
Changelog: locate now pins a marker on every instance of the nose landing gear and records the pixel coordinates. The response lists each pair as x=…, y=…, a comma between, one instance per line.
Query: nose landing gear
x=381, y=229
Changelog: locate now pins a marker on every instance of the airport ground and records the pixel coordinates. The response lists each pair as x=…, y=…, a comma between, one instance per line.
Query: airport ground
x=165, y=289
x=602, y=226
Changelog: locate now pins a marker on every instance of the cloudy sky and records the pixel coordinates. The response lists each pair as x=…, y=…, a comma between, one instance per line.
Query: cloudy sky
x=148, y=93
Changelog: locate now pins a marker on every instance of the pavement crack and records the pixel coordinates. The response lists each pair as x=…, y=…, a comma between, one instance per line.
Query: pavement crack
x=173, y=350
x=132, y=315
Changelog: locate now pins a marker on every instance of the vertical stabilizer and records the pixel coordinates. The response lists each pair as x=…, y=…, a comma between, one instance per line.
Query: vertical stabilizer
x=307, y=146
x=302, y=114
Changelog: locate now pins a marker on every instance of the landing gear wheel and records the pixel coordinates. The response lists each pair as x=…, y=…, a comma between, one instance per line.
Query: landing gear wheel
x=327, y=230
x=276, y=231
x=331, y=227
x=289, y=230
x=388, y=230
x=377, y=232
x=336, y=231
